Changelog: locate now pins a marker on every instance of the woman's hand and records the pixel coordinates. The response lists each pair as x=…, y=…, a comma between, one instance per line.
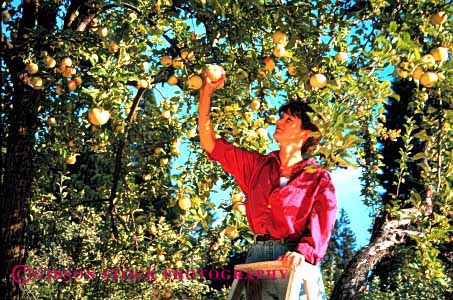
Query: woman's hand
x=209, y=87
x=292, y=259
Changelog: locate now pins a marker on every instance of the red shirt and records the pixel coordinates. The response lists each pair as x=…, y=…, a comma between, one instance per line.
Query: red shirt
x=304, y=209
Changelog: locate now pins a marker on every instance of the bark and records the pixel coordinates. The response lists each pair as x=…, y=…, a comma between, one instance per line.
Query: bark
x=391, y=233
x=17, y=188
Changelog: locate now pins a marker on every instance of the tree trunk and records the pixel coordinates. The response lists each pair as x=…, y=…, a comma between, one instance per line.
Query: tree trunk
x=16, y=189
x=353, y=280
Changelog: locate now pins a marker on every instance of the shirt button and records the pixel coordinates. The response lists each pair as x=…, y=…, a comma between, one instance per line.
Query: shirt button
x=269, y=206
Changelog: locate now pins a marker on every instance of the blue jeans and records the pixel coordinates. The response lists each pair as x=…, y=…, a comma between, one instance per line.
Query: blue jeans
x=275, y=289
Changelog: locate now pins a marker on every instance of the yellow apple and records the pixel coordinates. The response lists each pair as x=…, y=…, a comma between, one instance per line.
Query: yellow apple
x=417, y=73
x=172, y=80
x=71, y=159
x=78, y=80
x=158, y=150
x=240, y=207
x=6, y=16
x=166, y=114
x=439, y=18
x=440, y=53
x=191, y=133
x=32, y=68
x=429, y=79
x=195, y=82
x=279, y=37
x=142, y=84
x=292, y=71
x=103, y=32
x=269, y=63
x=428, y=60
x=37, y=82
x=214, y=72
x=66, y=62
x=187, y=55
x=341, y=57
x=255, y=105
x=318, y=81
x=114, y=47
x=51, y=121
x=50, y=62
x=166, y=61
x=98, y=116
x=72, y=85
x=231, y=232
x=279, y=51
x=184, y=203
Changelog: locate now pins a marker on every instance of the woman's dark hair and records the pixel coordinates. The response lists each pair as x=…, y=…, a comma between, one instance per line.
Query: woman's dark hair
x=300, y=109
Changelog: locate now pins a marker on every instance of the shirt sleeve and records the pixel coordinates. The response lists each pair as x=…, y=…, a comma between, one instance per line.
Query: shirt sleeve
x=314, y=244
x=238, y=162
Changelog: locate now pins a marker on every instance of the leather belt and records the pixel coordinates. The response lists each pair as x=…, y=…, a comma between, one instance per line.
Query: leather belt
x=266, y=237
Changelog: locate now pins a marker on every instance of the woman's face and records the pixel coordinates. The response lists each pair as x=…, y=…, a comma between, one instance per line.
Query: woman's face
x=288, y=130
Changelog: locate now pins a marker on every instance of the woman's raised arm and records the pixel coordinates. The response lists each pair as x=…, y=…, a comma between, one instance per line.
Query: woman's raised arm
x=207, y=134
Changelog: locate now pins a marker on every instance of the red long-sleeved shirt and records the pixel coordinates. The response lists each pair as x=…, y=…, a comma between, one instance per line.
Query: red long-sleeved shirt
x=304, y=209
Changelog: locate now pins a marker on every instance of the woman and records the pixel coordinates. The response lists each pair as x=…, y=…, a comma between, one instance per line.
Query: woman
x=290, y=201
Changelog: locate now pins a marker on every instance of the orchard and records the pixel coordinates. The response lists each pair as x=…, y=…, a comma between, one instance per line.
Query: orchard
x=100, y=161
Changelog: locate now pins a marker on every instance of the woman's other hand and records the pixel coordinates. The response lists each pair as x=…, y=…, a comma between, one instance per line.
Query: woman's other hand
x=292, y=259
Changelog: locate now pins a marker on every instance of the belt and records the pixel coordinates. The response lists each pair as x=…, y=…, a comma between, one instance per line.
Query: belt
x=266, y=237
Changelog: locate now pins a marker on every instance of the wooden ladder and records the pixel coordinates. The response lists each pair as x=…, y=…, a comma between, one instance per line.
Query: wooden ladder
x=295, y=278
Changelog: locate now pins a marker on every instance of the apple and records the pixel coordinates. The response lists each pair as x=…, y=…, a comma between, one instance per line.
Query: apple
x=67, y=72
x=166, y=114
x=114, y=47
x=255, y=105
x=341, y=57
x=72, y=85
x=98, y=116
x=417, y=73
x=78, y=80
x=144, y=66
x=59, y=90
x=166, y=61
x=66, y=62
x=158, y=150
x=240, y=207
x=37, y=83
x=191, y=133
x=439, y=18
x=142, y=84
x=71, y=159
x=318, y=81
x=273, y=119
x=292, y=71
x=269, y=63
x=428, y=60
x=50, y=62
x=279, y=38
x=279, y=51
x=172, y=80
x=214, y=72
x=103, y=32
x=51, y=122
x=32, y=68
x=184, y=203
x=231, y=232
x=429, y=79
x=195, y=82
x=440, y=53
x=187, y=55
x=6, y=16
x=164, y=161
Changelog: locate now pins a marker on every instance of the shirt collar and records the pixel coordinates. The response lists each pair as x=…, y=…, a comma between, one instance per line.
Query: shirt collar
x=297, y=168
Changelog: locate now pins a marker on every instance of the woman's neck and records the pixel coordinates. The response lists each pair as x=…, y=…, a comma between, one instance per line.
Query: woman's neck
x=289, y=156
